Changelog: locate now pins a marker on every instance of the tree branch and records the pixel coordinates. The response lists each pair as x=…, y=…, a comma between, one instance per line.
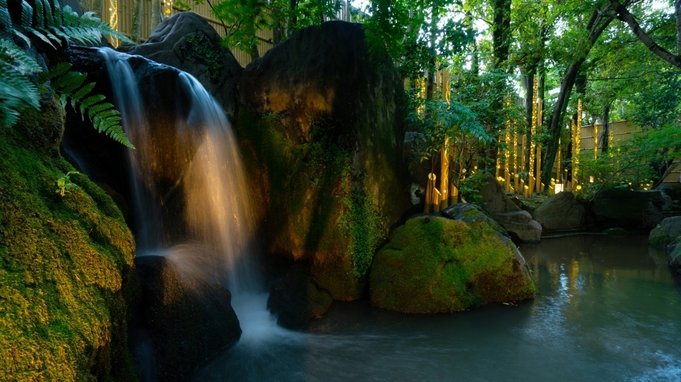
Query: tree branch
x=624, y=15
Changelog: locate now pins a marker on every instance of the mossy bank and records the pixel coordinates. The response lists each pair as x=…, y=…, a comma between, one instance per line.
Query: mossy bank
x=64, y=264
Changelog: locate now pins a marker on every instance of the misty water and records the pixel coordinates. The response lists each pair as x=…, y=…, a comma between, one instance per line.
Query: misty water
x=607, y=309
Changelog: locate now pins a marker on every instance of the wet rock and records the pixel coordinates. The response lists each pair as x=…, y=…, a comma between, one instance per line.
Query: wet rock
x=321, y=126
x=435, y=264
x=296, y=300
x=512, y=218
x=560, y=212
x=187, y=42
x=666, y=232
x=519, y=225
x=180, y=323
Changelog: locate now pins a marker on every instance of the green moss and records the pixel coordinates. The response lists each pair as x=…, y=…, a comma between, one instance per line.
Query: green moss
x=63, y=262
x=202, y=51
x=443, y=265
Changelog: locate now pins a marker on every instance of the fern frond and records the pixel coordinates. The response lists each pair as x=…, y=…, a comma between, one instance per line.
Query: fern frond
x=39, y=14
x=18, y=93
x=26, y=14
x=18, y=59
x=82, y=92
x=89, y=101
x=6, y=27
x=23, y=37
x=49, y=20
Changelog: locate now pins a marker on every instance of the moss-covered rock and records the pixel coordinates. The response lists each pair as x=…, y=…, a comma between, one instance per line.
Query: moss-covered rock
x=321, y=128
x=64, y=264
x=435, y=264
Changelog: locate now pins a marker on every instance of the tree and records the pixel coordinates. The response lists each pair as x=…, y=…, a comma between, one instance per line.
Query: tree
x=600, y=19
x=623, y=14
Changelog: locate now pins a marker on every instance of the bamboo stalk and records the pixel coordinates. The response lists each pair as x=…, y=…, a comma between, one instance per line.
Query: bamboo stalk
x=453, y=195
x=429, y=193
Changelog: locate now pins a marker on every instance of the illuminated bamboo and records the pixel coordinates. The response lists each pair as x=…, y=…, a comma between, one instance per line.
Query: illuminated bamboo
x=533, y=127
x=558, y=162
x=436, y=200
x=595, y=141
x=453, y=195
x=515, y=153
x=444, y=173
x=538, y=171
x=507, y=154
x=113, y=19
x=429, y=192
x=577, y=144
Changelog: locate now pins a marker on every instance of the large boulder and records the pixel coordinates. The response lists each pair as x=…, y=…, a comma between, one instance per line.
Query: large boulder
x=675, y=259
x=180, y=323
x=560, y=212
x=187, y=42
x=434, y=264
x=321, y=125
x=627, y=209
x=501, y=208
x=296, y=300
x=666, y=232
x=65, y=263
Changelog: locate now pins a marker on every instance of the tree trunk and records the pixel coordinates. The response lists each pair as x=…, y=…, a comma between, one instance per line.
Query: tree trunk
x=293, y=22
x=254, y=52
x=597, y=23
x=432, y=65
x=136, y=20
x=606, y=128
x=155, y=15
x=528, y=115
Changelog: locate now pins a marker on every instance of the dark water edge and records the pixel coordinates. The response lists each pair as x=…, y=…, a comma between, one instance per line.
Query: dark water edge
x=607, y=309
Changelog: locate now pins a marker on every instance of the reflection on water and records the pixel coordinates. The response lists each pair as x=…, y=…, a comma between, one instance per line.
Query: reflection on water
x=607, y=310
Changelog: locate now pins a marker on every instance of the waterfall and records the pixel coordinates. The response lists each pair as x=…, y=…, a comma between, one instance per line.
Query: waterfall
x=215, y=238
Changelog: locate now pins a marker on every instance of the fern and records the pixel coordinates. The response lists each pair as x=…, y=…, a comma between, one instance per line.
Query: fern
x=48, y=22
x=18, y=92
x=55, y=26
x=71, y=86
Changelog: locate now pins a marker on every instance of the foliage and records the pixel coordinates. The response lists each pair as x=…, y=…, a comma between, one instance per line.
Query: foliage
x=470, y=187
x=641, y=161
x=201, y=51
x=362, y=222
x=18, y=91
x=70, y=86
x=22, y=77
x=64, y=183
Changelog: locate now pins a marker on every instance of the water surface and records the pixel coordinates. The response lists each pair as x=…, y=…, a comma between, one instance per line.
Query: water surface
x=607, y=309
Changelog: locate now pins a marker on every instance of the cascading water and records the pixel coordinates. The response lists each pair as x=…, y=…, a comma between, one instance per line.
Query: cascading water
x=217, y=239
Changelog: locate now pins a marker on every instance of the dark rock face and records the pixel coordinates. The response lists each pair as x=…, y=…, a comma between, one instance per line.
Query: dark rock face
x=180, y=323
x=627, y=209
x=171, y=142
x=296, y=300
x=560, y=212
x=187, y=42
x=517, y=222
x=321, y=127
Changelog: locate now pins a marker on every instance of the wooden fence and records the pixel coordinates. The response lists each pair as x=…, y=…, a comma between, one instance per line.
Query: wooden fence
x=620, y=131
x=119, y=14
